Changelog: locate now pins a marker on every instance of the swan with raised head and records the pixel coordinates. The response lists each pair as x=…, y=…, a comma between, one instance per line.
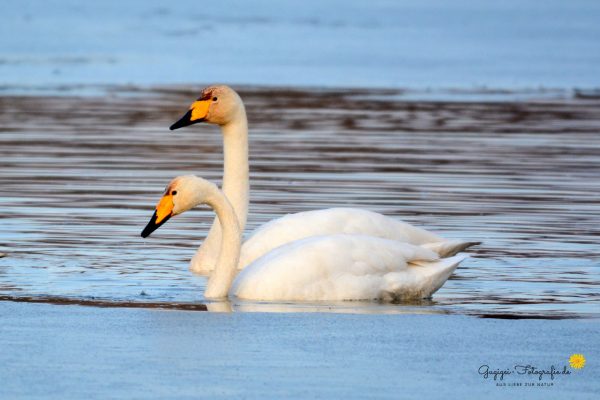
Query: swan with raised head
x=317, y=268
x=222, y=106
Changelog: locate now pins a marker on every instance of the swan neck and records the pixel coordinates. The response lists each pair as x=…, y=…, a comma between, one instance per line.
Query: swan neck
x=226, y=268
x=236, y=184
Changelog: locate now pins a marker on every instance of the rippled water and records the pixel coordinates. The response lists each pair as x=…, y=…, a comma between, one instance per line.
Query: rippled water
x=79, y=178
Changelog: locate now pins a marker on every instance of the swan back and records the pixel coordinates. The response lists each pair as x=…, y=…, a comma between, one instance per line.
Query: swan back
x=327, y=222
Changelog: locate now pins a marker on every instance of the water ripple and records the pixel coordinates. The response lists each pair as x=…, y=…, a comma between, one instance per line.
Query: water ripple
x=79, y=177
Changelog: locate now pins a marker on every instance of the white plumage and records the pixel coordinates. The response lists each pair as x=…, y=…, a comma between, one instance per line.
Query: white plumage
x=317, y=268
x=229, y=113
x=344, y=267
x=331, y=221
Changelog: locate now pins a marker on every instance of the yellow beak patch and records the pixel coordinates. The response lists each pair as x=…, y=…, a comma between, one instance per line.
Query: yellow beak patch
x=199, y=109
x=164, y=208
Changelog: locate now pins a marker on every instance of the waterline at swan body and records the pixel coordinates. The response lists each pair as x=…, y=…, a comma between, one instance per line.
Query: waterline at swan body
x=222, y=106
x=318, y=268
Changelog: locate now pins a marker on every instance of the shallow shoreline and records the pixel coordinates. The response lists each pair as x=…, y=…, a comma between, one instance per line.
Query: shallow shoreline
x=263, y=307
x=454, y=94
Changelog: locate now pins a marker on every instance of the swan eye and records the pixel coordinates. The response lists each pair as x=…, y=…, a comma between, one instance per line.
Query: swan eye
x=215, y=99
x=174, y=192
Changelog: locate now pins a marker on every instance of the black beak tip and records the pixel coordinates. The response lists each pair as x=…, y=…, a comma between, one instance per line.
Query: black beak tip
x=145, y=233
x=186, y=120
x=177, y=125
x=152, y=225
x=149, y=228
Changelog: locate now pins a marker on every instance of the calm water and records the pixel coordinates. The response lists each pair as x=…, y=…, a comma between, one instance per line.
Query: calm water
x=342, y=43
x=80, y=176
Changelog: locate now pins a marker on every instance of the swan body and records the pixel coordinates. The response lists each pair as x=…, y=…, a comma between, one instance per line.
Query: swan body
x=344, y=267
x=221, y=105
x=317, y=268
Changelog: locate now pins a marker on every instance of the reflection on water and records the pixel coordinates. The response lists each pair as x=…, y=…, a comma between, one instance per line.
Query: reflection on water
x=79, y=178
x=349, y=307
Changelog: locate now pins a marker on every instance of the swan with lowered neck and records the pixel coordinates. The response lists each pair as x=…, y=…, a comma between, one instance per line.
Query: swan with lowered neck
x=318, y=268
x=222, y=106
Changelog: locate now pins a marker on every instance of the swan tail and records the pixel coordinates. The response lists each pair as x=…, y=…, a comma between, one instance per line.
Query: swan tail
x=436, y=273
x=421, y=280
x=449, y=248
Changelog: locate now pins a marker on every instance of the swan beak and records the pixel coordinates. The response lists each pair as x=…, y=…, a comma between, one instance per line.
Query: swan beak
x=164, y=211
x=197, y=113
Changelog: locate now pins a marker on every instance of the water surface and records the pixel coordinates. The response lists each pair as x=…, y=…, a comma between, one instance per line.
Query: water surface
x=79, y=177
x=340, y=43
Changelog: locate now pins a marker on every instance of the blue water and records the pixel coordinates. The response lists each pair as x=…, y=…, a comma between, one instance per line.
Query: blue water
x=376, y=43
x=63, y=353
x=80, y=177
x=519, y=178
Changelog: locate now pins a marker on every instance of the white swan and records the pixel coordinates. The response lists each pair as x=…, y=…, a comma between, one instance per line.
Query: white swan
x=318, y=268
x=221, y=105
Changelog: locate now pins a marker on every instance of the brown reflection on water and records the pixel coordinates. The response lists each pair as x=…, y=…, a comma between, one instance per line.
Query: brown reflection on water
x=79, y=178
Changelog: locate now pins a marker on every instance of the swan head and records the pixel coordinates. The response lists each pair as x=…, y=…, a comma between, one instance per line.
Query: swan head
x=182, y=194
x=216, y=105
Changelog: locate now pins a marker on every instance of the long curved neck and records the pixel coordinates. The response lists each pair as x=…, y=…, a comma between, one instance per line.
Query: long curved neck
x=221, y=278
x=236, y=180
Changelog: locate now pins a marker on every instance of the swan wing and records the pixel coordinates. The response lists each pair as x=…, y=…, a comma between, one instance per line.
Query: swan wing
x=329, y=221
x=343, y=267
